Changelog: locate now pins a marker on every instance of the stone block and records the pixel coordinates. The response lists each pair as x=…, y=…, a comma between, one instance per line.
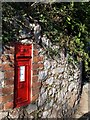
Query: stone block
x=58, y=70
x=42, y=75
x=53, y=64
x=44, y=95
x=54, y=114
x=1, y=75
x=42, y=99
x=71, y=86
x=51, y=103
x=14, y=114
x=31, y=108
x=52, y=92
x=50, y=81
x=45, y=114
x=42, y=90
x=3, y=115
x=2, y=84
x=46, y=65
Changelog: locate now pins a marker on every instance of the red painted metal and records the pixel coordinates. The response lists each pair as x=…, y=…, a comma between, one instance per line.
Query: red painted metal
x=23, y=50
x=22, y=74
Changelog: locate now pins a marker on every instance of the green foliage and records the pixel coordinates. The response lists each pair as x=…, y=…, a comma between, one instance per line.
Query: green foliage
x=64, y=23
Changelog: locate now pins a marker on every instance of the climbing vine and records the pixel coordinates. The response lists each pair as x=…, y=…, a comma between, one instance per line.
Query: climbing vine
x=65, y=24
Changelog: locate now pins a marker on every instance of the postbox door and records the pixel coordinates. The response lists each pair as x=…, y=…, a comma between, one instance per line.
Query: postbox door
x=22, y=83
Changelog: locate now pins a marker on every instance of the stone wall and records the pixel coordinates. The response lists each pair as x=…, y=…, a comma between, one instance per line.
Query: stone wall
x=7, y=78
x=56, y=88
x=60, y=87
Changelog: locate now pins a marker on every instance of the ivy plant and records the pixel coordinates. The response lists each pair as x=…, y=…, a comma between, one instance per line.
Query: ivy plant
x=65, y=24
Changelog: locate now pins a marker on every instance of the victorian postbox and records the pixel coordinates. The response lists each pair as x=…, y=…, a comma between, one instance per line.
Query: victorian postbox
x=23, y=58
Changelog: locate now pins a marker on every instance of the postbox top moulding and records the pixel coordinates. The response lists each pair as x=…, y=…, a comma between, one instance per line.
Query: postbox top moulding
x=23, y=50
x=26, y=41
x=19, y=43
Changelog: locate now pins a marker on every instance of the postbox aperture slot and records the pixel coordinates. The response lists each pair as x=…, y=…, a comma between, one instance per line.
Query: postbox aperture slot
x=22, y=73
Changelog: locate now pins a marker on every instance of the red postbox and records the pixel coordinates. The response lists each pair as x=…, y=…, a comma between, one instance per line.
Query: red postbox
x=22, y=74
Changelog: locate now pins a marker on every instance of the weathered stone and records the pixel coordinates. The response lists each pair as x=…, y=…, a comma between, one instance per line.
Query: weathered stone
x=42, y=75
x=65, y=75
x=58, y=95
x=57, y=82
x=58, y=70
x=71, y=79
x=54, y=114
x=50, y=81
x=53, y=64
x=30, y=117
x=45, y=114
x=52, y=92
x=72, y=100
x=21, y=115
x=44, y=95
x=63, y=83
x=76, y=76
x=47, y=106
x=2, y=84
x=51, y=103
x=30, y=108
x=58, y=87
x=25, y=114
x=41, y=52
x=49, y=73
x=42, y=90
x=3, y=115
x=49, y=113
x=71, y=86
x=59, y=100
x=42, y=99
x=14, y=113
x=60, y=76
x=1, y=75
x=46, y=65
x=62, y=95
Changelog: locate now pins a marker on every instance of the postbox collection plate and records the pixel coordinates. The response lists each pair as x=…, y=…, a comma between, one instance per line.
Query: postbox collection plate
x=22, y=73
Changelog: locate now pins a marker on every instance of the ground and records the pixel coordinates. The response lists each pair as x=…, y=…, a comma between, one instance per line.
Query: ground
x=84, y=106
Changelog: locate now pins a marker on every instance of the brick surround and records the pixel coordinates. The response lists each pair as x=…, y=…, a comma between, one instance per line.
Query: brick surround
x=8, y=77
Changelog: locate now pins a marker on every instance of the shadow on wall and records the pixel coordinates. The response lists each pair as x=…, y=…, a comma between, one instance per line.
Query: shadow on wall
x=86, y=116
x=85, y=75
